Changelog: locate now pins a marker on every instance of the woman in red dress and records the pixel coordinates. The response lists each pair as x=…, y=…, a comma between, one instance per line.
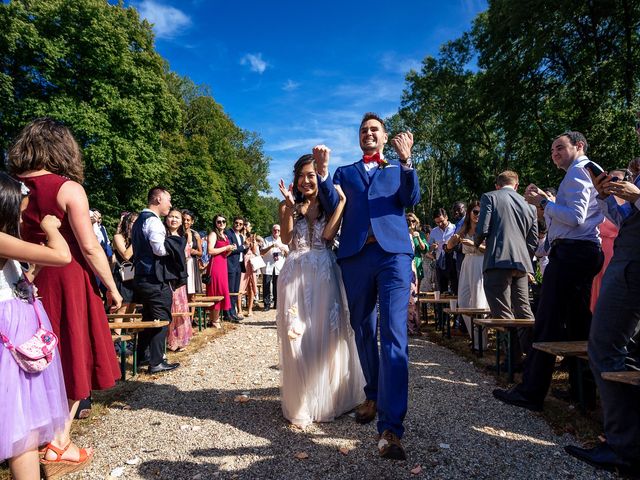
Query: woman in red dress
x=218, y=247
x=47, y=159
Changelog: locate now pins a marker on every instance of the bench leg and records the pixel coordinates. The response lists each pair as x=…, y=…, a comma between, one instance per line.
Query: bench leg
x=199, y=311
x=498, y=347
x=448, y=317
x=123, y=360
x=480, y=351
x=579, y=381
x=508, y=359
x=134, y=369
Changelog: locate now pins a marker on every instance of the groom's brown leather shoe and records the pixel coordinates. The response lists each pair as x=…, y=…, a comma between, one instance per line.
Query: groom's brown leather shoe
x=389, y=446
x=366, y=411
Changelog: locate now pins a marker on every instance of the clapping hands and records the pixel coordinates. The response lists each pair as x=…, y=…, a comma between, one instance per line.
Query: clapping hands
x=534, y=195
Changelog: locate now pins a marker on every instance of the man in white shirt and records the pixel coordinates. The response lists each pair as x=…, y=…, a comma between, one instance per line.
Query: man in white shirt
x=575, y=257
x=273, y=252
x=148, y=239
x=445, y=262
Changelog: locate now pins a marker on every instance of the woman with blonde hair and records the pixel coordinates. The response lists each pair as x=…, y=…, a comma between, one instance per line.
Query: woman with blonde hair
x=420, y=245
x=47, y=159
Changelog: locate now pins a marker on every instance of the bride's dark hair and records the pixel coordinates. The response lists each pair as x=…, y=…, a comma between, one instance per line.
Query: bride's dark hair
x=302, y=162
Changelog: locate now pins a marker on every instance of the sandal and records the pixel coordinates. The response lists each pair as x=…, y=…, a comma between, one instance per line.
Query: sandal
x=57, y=468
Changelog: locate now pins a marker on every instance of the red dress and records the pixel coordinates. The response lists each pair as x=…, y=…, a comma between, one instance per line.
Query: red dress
x=71, y=299
x=219, y=283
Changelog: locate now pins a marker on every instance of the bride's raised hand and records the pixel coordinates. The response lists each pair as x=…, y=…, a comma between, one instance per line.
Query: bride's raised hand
x=287, y=193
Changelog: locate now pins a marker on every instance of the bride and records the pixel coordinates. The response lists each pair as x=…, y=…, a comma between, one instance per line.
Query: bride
x=321, y=377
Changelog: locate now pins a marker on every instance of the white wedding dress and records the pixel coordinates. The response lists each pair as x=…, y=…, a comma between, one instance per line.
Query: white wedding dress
x=320, y=373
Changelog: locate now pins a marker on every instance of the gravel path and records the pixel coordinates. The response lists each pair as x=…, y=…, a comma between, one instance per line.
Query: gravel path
x=191, y=424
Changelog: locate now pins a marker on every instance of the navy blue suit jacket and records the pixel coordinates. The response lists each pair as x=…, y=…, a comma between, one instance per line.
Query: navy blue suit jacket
x=233, y=259
x=379, y=201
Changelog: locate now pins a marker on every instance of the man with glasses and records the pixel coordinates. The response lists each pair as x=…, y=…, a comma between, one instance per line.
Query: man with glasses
x=235, y=267
x=510, y=229
x=273, y=252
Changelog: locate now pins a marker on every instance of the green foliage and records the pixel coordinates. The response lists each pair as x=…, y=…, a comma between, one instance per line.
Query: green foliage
x=94, y=66
x=543, y=69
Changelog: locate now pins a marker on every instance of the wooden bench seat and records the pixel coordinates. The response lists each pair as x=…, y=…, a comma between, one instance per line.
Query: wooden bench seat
x=631, y=377
x=576, y=348
x=124, y=316
x=502, y=326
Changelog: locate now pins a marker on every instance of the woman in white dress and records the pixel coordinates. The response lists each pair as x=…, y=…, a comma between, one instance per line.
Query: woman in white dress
x=321, y=377
x=470, y=285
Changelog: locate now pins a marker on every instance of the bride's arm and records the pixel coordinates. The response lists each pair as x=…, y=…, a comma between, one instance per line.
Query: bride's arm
x=333, y=224
x=286, y=222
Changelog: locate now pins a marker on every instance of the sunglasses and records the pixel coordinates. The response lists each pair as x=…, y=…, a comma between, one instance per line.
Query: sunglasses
x=221, y=221
x=475, y=212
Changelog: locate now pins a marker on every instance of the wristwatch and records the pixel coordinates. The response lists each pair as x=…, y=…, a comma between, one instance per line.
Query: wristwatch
x=543, y=202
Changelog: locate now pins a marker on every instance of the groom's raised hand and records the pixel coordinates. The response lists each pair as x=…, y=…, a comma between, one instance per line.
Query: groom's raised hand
x=321, y=154
x=402, y=144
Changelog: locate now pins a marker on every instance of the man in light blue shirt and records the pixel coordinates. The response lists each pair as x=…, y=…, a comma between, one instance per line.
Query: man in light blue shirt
x=445, y=263
x=575, y=257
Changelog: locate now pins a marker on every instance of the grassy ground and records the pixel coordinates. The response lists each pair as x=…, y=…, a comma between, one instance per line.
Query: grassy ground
x=117, y=396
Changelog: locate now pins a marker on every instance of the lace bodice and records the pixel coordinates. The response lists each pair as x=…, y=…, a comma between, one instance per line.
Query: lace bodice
x=306, y=237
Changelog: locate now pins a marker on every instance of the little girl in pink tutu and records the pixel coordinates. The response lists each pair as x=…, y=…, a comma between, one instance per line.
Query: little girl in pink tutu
x=34, y=405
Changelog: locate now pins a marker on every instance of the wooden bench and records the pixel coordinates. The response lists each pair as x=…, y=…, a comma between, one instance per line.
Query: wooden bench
x=504, y=326
x=576, y=348
x=198, y=309
x=133, y=329
x=437, y=308
x=630, y=377
x=472, y=312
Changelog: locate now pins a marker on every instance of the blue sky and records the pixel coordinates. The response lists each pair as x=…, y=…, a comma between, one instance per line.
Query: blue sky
x=303, y=73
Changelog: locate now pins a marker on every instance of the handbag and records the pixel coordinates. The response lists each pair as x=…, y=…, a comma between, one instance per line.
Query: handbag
x=127, y=271
x=206, y=278
x=37, y=353
x=257, y=263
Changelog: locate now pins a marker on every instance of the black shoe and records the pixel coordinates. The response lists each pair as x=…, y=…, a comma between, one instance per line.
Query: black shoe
x=235, y=319
x=603, y=457
x=513, y=397
x=163, y=367
x=144, y=362
x=266, y=308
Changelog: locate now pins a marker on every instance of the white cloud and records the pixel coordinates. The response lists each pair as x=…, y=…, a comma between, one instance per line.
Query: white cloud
x=167, y=21
x=391, y=62
x=290, y=85
x=255, y=62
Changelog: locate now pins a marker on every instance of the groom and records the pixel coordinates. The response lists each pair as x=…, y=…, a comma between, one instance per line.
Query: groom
x=375, y=256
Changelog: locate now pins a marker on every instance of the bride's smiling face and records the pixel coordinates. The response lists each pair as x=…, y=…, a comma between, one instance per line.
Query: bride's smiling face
x=307, y=181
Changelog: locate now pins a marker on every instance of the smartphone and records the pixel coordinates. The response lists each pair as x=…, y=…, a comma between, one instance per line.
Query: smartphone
x=595, y=169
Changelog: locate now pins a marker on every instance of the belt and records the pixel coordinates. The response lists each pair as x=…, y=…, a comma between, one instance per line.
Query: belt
x=571, y=241
x=370, y=239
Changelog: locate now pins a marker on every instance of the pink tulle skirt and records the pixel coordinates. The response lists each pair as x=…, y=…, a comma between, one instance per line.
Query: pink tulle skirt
x=33, y=406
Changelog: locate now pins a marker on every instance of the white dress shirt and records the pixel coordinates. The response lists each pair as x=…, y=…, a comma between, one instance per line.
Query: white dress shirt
x=153, y=230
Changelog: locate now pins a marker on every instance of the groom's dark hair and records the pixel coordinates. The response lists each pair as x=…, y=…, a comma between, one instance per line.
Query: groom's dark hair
x=373, y=116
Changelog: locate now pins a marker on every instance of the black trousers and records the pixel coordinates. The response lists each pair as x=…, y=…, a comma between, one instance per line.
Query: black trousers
x=448, y=277
x=267, y=281
x=563, y=314
x=156, y=298
x=234, y=286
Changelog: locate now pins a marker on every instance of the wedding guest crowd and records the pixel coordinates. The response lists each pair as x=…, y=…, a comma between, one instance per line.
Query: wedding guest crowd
x=329, y=306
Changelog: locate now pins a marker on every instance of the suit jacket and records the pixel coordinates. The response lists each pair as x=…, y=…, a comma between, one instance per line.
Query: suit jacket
x=233, y=259
x=510, y=226
x=378, y=202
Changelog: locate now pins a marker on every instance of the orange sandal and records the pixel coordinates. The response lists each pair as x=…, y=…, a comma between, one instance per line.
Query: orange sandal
x=57, y=468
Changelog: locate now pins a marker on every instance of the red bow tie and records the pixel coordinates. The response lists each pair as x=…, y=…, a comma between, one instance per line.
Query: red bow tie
x=373, y=158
